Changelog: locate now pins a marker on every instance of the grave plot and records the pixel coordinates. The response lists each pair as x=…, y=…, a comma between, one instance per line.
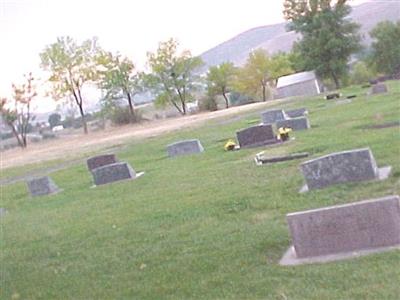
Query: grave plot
x=343, y=231
x=342, y=167
x=186, y=147
x=42, y=186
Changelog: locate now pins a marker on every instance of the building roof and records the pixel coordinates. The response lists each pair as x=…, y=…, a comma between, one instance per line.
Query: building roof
x=295, y=78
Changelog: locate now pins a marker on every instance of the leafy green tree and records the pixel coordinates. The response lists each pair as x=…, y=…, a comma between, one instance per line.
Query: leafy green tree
x=385, y=55
x=329, y=38
x=54, y=119
x=18, y=115
x=220, y=79
x=360, y=73
x=260, y=72
x=173, y=78
x=119, y=79
x=72, y=66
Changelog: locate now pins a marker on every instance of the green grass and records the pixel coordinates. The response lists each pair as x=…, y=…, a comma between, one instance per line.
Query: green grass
x=208, y=226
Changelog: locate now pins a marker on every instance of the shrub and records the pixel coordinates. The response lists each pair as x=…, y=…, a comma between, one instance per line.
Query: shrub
x=360, y=73
x=122, y=115
x=208, y=103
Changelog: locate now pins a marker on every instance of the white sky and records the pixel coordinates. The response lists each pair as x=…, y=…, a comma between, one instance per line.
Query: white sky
x=131, y=27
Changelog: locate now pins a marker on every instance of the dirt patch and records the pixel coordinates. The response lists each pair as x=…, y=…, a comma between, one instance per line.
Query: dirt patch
x=70, y=147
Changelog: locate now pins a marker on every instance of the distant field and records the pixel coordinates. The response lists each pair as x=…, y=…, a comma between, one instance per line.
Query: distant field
x=207, y=226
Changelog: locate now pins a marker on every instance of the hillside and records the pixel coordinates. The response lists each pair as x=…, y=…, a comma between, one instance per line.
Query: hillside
x=206, y=226
x=274, y=38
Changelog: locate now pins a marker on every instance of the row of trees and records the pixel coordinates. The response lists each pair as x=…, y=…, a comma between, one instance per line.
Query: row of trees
x=329, y=39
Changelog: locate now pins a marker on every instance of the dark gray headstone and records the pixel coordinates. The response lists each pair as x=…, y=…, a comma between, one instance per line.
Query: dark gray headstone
x=272, y=116
x=113, y=172
x=296, y=124
x=344, y=228
x=295, y=113
x=379, y=88
x=42, y=186
x=341, y=167
x=184, y=148
x=100, y=160
x=256, y=136
x=3, y=212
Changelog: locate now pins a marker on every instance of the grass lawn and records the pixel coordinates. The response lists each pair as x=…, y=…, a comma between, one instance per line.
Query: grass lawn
x=207, y=226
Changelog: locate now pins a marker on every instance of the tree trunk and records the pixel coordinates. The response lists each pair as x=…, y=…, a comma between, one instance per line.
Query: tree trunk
x=15, y=133
x=182, y=101
x=336, y=80
x=226, y=99
x=264, y=92
x=84, y=124
x=131, y=109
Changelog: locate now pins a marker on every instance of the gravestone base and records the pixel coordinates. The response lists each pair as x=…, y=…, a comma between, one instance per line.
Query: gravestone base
x=290, y=258
x=383, y=173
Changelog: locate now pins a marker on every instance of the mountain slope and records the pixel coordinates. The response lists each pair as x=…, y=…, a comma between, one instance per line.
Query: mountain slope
x=274, y=38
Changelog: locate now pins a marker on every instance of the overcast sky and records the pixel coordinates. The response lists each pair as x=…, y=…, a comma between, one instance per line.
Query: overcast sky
x=128, y=26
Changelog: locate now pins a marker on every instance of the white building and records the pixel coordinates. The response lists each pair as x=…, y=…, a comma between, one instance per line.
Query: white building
x=299, y=84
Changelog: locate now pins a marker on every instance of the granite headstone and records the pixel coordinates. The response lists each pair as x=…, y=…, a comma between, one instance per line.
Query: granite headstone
x=344, y=228
x=100, y=160
x=296, y=124
x=379, y=88
x=256, y=136
x=42, y=186
x=184, y=148
x=272, y=116
x=295, y=113
x=341, y=167
x=113, y=172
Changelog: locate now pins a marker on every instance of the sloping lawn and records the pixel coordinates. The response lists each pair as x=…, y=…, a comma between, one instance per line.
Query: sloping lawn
x=207, y=226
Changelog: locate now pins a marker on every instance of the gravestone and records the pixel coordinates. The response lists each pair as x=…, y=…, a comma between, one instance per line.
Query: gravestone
x=256, y=136
x=379, y=88
x=272, y=116
x=100, y=160
x=332, y=96
x=113, y=172
x=296, y=124
x=295, y=113
x=3, y=212
x=342, y=229
x=184, y=148
x=341, y=167
x=42, y=186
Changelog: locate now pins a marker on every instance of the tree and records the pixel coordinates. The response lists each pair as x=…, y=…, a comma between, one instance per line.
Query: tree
x=119, y=79
x=19, y=116
x=220, y=79
x=260, y=73
x=385, y=55
x=360, y=73
x=72, y=66
x=329, y=38
x=54, y=119
x=173, y=78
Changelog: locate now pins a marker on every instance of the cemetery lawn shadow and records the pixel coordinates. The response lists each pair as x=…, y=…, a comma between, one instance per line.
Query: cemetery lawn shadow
x=205, y=226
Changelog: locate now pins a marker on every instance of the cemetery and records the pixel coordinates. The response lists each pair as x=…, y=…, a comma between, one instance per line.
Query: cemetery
x=217, y=224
